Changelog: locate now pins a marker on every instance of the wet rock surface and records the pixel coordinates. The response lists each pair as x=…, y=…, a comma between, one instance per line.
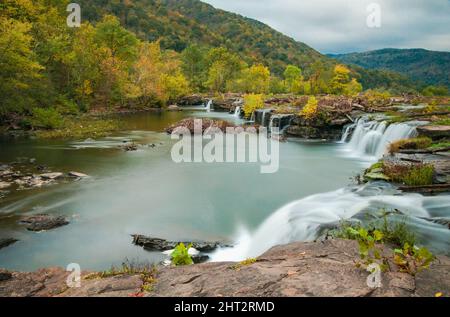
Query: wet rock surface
x=6, y=242
x=189, y=124
x=43, y=222
x=435, y=132
x=26, y=173
x=324, y=268
x=156, y=244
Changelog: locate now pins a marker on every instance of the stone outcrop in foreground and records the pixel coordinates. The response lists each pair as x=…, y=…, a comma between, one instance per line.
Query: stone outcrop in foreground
x=300, y=269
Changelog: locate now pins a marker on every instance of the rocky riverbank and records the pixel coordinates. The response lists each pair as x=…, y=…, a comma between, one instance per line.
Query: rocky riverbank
x=325, y=268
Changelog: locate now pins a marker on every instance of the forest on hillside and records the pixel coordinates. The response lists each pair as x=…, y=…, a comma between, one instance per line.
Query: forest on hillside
x=146, y=53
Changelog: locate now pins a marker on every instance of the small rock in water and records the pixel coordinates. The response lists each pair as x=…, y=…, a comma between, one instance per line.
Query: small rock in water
x=43, y=222
x=4, y=185
x=129, y=147
x=51, y=175
x=7, y=242
x=78, y=175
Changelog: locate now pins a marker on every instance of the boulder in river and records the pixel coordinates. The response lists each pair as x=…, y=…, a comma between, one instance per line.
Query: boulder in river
x=4, y=185
x=156, y=244
x=43, y=222
x=174, y=108
x=5, y=242
x=78, y=175
x=51, y=176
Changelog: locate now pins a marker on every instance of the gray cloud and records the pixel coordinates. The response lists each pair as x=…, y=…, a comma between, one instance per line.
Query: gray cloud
x=339, y=26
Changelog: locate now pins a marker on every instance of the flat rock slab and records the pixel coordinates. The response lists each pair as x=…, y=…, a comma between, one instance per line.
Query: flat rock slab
x=43, y=222
x=78, y=175
x=435, y=131
x=51, y=176
x=299, y=269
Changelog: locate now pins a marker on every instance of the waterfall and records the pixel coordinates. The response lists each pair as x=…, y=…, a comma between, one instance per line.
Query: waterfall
x=237, y=112
x=253, y=117
x=303, y=220
x=208, y=105
x=371, y=138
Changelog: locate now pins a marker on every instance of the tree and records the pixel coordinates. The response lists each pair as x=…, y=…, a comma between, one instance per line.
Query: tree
x=120, y=49
x=256, y=79
x=252, y=102
x=122, y=44
x=353, y=88
x=18, y=66
x=340, y=80
x=311, y=109
x=194, y=66
x=342, y=84
x=435, y=91
x=294, y=79
x=85, y=71
x=223, y=67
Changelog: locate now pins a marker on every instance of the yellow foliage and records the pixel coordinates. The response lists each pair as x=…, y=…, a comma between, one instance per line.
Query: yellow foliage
x=253, y=102
x=311, y=109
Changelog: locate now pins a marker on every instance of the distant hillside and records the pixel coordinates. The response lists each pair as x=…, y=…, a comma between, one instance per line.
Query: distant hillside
x=179, y=23
x=430, y=67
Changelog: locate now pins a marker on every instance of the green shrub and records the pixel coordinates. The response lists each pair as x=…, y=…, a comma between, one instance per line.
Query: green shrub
x=46, y=118
x=180, y=256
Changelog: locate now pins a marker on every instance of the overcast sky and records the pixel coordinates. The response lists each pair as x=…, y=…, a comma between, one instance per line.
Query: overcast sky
x=339, y=26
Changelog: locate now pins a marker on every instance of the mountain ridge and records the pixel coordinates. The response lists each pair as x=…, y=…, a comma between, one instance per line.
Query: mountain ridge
x=427, y=66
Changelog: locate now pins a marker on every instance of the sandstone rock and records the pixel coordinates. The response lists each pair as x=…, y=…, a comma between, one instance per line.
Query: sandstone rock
x=300, y=269
x=206, y=123
x=51, y=176
x=320, y=269
x=43, y=222
x=5, y=242
x=78, y=175
x=192, y=100
x=4, y=185
x=435, y=132
x=174, y=108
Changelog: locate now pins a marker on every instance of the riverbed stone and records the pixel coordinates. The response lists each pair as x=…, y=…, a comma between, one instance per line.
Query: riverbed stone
x=5, y=242
x=52, y=176
x=4, y=185
x=156, y=244
x=43, y=222
x=78, y=175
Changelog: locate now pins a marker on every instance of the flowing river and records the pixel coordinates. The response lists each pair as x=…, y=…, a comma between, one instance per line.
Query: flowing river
x=145, y=192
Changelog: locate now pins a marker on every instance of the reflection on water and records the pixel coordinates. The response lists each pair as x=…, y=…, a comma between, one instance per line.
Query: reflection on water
x=145, y=192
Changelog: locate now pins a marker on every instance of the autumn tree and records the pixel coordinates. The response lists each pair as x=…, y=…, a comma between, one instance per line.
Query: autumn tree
x=18, y=66
x=294, y=79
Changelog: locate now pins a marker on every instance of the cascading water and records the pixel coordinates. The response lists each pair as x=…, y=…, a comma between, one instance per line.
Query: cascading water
x=302, y=220
x=237, y=112
x=371, y=138
x=208, y=105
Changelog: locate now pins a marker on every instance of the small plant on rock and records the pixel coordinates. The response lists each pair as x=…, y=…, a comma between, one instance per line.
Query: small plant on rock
x=180, y=256
x=412, y=259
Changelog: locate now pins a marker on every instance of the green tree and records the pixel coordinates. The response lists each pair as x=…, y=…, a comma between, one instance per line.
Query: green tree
x=294, y=79
x=18, y=66
x=194, y=66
